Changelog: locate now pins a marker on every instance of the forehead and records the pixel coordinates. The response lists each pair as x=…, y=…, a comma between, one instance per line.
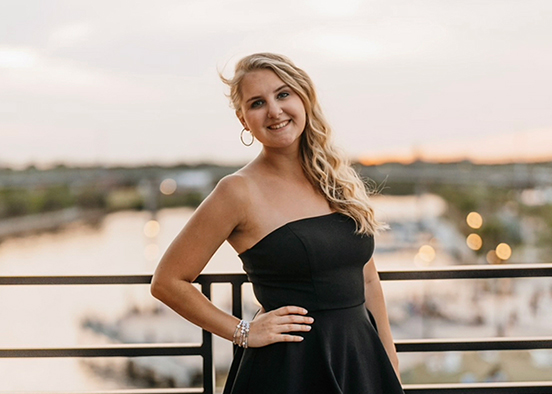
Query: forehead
x=259, y=82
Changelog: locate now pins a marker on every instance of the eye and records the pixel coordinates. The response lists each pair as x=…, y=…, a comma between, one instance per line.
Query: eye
x=256, y=104
x=283, y=95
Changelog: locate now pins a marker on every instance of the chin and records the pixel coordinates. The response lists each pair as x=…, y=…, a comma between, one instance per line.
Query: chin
x=288, y=143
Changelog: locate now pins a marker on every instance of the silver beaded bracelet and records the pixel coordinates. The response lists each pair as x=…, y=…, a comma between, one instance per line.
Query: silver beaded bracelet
x=241, y=334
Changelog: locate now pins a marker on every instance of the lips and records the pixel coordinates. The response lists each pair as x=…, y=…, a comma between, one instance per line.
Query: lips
x=280, y=125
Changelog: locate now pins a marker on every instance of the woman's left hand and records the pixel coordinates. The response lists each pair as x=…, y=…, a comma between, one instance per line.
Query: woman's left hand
x=275, y=326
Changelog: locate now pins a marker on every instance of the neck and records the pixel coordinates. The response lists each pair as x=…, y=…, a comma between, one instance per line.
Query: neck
x=281, y=161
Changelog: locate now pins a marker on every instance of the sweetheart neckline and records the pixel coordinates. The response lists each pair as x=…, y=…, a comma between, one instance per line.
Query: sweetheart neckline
x=284, y=226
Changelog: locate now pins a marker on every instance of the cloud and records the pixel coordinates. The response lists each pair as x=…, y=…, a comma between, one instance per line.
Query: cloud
x=69, y=35
x=365, y=44
x=42, y=78
x=11, y=57
x=391, y=75
x=331, y=8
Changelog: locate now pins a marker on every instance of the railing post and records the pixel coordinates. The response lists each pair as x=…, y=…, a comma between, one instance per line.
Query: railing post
x=207, y=350
x=237, y=301
x=237, y=298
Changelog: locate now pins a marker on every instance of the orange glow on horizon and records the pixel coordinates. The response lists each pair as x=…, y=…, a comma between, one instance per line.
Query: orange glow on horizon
x=409, y=159
x=377, y=160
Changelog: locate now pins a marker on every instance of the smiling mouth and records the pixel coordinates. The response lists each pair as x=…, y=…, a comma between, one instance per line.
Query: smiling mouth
x=279, y=125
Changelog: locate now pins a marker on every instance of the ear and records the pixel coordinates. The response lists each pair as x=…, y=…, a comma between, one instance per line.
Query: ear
x=241, y=119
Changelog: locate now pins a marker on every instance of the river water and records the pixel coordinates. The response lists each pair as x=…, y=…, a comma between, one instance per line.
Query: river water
x=52, y=316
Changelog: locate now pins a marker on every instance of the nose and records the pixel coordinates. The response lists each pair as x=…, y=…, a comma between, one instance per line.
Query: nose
x=274, y=109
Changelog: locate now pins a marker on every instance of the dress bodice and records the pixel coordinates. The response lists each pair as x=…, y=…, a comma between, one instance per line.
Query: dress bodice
x=315, y=263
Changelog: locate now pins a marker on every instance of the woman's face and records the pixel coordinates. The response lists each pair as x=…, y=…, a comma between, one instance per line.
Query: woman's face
x=271, y=110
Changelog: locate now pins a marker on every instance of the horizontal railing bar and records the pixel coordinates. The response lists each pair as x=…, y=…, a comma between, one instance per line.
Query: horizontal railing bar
x=119, y=350
x=475, y=388
x=196, y=390
x=444, y=345
x=471, y=272
x=480, y=388
x=181, y=349
x=449, y=272
x=236, y=279
x=76, y=280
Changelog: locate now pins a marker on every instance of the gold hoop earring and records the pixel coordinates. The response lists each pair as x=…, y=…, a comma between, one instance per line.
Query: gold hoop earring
x=242, y=140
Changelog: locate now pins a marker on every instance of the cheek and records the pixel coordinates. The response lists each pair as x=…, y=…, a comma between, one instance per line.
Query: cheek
x=305, y=121
x=253, y=117
x=301, y=109
x=304, y=117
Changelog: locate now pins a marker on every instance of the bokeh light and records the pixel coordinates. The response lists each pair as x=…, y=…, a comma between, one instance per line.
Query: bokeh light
x=474, y=220
x=474, y=241
x=492, y=258
x=503, y=251
x=151, y=228
x=168, y=186
x=426, y=254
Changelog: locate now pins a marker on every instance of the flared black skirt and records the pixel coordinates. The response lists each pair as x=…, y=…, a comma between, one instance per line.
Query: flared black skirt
x=342, y=354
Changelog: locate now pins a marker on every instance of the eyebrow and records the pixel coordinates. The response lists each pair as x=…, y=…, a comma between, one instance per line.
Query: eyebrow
x=259, y=97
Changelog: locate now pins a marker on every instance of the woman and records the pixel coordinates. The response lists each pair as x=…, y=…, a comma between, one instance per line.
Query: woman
x=300, y=219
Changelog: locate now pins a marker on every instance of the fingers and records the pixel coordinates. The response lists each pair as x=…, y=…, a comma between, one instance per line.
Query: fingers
x=295, y=319
x=278, y=325
x=289, y=338
x=290, y=310
x=291, y=318
x=295, y=327
x=271, y=333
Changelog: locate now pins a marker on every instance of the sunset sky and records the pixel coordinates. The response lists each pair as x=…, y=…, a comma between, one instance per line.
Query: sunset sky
x=133, y=82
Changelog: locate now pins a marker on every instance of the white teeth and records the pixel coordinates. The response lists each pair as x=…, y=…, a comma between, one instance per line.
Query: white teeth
x=279, y=125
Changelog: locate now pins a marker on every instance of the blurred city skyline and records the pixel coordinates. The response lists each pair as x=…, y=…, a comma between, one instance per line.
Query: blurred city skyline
x=113, y=82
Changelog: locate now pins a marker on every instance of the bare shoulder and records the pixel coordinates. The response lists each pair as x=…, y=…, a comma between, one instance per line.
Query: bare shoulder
x=227, y=202
x=233, y=187
x=232, y=193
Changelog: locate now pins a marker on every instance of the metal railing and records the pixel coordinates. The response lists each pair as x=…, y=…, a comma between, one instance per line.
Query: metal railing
x=205, y=349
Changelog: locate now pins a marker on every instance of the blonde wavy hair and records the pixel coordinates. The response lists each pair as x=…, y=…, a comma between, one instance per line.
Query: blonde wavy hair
x=325, y=167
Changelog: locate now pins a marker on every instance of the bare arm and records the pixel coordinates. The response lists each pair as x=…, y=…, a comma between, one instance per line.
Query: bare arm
x=375, y=302
x=210, y=225
x=188, y=254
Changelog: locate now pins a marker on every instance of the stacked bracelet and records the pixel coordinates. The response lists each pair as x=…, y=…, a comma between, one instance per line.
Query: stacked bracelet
x=241, y=334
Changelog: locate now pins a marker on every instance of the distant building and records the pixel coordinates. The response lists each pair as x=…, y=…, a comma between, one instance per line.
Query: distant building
x=194, y=181
x=537, y=196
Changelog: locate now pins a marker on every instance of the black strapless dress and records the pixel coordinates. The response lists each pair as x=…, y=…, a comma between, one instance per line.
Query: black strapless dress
x=315, y=263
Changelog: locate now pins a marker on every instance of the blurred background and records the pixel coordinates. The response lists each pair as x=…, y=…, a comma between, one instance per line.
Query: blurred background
x=114, y=126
